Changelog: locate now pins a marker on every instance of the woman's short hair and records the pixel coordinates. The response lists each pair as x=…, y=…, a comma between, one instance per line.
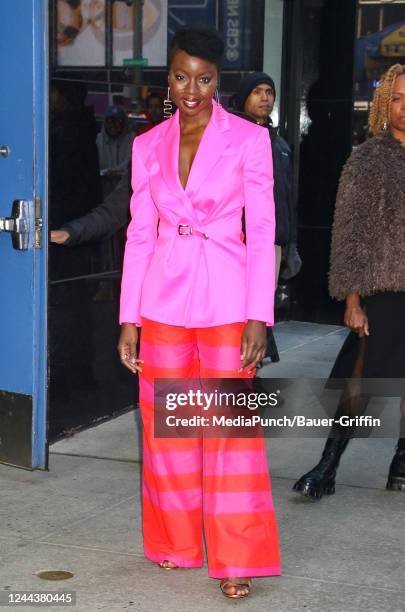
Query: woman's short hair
x=200, y=41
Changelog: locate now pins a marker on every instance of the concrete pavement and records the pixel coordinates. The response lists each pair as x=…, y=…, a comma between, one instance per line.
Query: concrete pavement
x=344, y=553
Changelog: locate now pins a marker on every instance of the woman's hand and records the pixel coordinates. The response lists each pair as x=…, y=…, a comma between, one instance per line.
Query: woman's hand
x=127, y=347
x=355, y=317
x=59, y=236
x=254, y=342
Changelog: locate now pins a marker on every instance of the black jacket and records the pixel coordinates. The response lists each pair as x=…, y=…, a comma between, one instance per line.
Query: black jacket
x=286, y=211
x=105, y=219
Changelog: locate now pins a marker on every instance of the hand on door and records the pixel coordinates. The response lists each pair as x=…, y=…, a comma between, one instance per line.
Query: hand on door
x=59, y=236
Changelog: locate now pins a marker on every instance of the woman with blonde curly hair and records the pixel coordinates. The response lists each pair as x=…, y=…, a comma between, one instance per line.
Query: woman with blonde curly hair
x=367, y=270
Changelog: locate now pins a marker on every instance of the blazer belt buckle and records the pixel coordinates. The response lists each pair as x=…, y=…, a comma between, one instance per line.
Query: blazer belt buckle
x=185, y=230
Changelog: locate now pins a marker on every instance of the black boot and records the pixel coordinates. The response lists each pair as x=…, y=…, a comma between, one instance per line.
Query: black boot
x=396, y=475
x=321, y=479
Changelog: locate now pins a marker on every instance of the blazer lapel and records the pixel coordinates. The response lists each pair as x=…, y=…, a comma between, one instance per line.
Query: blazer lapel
x=167, y=151
x=213, y=142
x=168, y=157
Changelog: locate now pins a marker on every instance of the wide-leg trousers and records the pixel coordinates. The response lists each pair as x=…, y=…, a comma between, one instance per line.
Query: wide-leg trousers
x=190, y=486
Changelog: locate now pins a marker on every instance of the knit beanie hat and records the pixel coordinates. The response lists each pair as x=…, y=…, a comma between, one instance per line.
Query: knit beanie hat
x=248, y=84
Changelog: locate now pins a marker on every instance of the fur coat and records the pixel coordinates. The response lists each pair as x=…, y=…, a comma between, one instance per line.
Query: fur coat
x=368, y=233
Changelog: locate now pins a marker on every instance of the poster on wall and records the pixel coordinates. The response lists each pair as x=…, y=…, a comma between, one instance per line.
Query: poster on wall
x=154, y=32
x=80, y=28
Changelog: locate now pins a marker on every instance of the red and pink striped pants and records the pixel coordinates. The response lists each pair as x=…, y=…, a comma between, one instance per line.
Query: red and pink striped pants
x=221, y=485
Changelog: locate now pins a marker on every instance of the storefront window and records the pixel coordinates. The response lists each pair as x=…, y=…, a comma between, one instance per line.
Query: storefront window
x=392, y=14
x=154, y=35
x=80, y=32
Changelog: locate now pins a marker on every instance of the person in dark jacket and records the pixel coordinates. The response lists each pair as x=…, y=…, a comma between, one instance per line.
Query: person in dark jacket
x=255, y=99
x=101, y=222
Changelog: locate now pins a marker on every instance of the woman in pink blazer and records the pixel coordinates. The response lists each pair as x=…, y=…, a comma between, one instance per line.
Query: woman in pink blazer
x=203, y=299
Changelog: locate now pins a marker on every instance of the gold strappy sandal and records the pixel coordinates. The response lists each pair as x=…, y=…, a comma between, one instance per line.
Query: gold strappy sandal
x=163, y=565
x=226, y=582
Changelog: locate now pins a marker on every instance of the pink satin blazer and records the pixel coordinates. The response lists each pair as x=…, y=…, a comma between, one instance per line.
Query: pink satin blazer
x=185, y=262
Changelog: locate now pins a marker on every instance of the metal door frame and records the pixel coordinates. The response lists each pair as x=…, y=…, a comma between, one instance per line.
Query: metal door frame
x=40, y=143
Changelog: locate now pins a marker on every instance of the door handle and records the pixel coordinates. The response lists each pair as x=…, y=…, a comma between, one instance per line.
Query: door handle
x=4, y=150
x=18, y=225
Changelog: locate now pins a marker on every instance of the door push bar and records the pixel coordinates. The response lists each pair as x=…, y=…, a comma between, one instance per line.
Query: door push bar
x=18, y=225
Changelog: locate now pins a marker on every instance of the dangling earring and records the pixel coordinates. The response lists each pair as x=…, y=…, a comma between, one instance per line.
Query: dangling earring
x=167, y=106
x=217, y=97
x=385, y=125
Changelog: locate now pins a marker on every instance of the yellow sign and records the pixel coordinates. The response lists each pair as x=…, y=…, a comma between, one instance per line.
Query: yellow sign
x=393, y=45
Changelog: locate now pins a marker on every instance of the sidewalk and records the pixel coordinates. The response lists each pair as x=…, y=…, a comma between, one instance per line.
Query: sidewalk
x=343, y=554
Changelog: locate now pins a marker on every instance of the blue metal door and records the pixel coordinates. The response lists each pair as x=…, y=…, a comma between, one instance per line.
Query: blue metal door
x=23, y=142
